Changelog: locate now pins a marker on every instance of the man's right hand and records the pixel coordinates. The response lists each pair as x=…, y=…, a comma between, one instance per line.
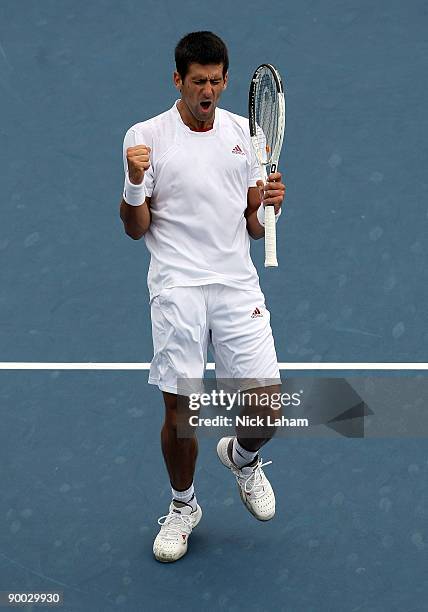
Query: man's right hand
x=138, y=162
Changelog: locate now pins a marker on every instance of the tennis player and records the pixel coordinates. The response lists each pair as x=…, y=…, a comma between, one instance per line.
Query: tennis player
x=193, y=189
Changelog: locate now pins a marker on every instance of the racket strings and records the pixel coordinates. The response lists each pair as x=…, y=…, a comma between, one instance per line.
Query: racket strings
x=266, y=115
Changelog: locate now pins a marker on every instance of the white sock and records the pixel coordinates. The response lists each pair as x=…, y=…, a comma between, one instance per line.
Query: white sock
x=240, y=455
x=185, y=497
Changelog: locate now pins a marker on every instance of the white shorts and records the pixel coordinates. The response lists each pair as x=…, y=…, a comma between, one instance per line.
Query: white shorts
x=236, y=324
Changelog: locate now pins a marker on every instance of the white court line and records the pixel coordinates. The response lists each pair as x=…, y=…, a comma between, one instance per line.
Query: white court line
x=29, y=365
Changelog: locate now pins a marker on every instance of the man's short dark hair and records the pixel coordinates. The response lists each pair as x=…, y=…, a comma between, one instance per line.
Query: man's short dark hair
x=200, y=48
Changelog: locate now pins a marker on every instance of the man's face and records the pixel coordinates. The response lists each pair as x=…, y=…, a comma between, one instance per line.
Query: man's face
x=201, y=89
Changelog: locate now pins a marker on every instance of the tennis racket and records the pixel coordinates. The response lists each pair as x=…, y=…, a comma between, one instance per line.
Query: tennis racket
x=266, y=106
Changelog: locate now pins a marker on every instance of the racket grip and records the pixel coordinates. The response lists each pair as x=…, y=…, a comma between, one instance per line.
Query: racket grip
x=270, y=237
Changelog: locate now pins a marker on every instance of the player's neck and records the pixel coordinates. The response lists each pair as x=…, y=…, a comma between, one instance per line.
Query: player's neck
x=192, y=123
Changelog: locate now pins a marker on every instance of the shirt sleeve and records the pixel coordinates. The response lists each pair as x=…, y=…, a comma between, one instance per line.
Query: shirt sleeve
x=132, y=139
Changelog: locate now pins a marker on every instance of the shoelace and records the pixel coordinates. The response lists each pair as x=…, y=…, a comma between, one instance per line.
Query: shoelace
x=174, y=524
x=253, y=483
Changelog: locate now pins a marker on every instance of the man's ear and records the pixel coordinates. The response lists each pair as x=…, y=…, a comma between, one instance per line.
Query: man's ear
x=177, y=81
x=226, y=78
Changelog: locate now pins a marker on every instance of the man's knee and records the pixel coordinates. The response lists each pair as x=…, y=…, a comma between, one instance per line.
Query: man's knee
x=177, y=413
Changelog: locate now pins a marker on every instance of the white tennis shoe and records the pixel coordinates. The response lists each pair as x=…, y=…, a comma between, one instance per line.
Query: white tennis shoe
x=171, y=542
x=255, y=489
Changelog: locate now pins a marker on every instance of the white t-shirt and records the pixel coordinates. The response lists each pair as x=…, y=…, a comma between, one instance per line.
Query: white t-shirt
x=198, y=184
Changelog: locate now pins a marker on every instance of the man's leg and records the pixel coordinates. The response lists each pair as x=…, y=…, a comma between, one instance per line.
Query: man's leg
x=241, y=453
x=179, y=343
x=245, y=352
x=179, y=453
x=252, y=438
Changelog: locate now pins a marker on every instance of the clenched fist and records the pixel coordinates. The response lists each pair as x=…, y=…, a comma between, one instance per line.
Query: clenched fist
x=138, y=162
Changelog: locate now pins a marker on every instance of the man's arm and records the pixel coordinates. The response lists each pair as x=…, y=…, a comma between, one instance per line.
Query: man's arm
x=271, y=193
x=254, y=228
x=136, y=219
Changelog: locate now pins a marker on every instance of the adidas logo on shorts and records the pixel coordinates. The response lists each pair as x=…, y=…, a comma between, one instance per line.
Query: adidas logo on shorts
x=256, y=313
x=238, y=150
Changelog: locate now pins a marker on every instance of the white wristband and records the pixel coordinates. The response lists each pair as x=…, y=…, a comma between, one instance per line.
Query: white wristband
x=261, y=215
x=135, y=195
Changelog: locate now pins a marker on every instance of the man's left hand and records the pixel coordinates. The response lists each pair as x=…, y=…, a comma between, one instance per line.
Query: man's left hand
x=272, y=192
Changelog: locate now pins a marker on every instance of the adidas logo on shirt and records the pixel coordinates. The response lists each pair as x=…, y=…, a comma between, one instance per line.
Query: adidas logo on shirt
x=256, y=313
x=238, y=150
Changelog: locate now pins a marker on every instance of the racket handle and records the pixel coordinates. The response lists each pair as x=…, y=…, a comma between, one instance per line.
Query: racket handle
x=270, y=237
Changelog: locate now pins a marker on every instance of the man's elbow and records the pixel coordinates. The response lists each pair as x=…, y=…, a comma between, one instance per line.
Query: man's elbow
x=133, y=233
x=132, y=229
x=255, y=235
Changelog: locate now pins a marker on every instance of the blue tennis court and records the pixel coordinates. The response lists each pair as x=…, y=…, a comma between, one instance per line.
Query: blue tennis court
x=82, y=472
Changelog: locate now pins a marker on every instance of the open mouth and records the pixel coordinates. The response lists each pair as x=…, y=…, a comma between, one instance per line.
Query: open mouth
x=205, y=105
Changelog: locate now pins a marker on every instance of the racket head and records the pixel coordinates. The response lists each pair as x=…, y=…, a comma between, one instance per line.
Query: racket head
x=266, y=112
